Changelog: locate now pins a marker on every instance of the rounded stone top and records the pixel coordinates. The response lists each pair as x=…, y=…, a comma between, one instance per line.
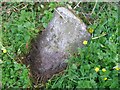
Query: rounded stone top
x=65, y=12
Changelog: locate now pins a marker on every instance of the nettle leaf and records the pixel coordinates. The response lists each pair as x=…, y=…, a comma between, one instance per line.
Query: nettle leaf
x=39, y=8
x=115, y=83
x=27, y=24
x=93, y=83
x=74, y=66
x=27, y=38
x=44, y=19
x=87, y=66
x=100, y=56
x=45, y=25
x=82, y=71
x=113, y=47
x=52, y=5
x=37, y=30
x=20, y=28
x=84, y=84
x=46, y=12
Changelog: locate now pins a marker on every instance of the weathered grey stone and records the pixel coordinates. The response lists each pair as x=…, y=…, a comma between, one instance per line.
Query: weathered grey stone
x=64, y=34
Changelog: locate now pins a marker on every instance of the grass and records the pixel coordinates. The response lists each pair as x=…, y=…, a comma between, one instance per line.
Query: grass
x=21, y=22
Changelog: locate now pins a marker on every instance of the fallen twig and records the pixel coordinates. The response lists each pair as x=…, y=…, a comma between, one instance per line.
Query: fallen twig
x=77, y=5
x=86, y=18
x=99, y=36
x=94, y=7
x=60, y=14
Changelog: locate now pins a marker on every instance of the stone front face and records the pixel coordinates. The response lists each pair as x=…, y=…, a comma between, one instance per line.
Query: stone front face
x=64, y=34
